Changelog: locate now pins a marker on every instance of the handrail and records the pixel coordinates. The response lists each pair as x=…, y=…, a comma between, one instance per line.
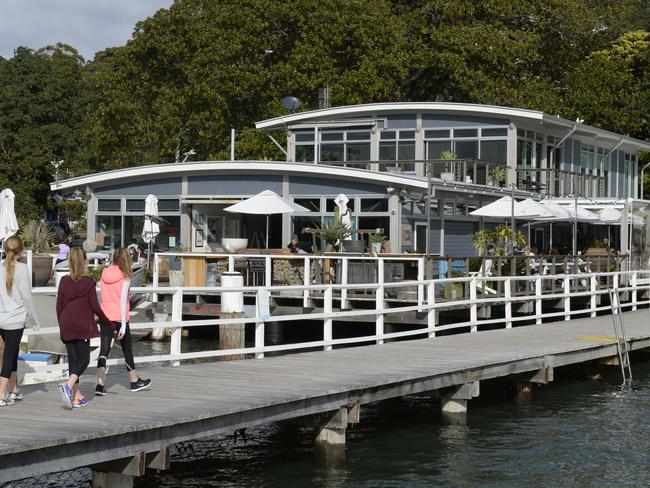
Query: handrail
x=565, y=288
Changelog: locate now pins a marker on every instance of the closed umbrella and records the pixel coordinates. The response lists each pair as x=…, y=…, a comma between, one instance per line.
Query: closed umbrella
x=151, y=228
x=344, y=212
x=265, y=203
x=8, y=222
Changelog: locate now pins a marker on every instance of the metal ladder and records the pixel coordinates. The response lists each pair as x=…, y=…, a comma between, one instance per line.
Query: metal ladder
x=621, y=336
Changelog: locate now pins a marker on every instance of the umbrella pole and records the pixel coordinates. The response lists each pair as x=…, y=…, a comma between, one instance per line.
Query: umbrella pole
x=267, y=231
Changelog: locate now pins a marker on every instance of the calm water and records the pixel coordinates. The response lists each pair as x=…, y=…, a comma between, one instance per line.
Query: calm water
x=576, y=433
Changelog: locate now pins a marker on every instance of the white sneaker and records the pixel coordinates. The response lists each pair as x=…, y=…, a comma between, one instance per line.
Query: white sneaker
x=16, y=395
x=6, y=401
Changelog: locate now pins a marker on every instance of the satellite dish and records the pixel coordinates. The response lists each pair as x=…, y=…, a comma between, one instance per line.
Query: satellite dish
x=290, y=103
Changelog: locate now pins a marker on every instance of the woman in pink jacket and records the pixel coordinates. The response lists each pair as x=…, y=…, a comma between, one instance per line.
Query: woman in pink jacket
x=114, y=289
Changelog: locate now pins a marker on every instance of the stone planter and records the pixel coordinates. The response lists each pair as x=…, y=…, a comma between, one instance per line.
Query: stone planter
x=41, y=270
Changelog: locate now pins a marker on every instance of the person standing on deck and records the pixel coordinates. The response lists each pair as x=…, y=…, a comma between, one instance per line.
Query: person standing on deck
x=76, y=307
x=64, y=250
x=114, y=289
x=16, y=306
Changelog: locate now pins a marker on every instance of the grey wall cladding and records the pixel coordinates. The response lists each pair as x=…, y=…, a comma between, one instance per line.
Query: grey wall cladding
x=303, y=185
x=142, y=187
x=233, y=184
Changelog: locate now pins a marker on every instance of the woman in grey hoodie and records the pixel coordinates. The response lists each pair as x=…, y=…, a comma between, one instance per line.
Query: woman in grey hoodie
x=15, y=306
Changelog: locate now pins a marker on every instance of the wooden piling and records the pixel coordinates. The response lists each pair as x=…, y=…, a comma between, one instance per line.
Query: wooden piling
x=232, y=336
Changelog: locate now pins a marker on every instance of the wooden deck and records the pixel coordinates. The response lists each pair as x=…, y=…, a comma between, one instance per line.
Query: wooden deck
x=39, y=436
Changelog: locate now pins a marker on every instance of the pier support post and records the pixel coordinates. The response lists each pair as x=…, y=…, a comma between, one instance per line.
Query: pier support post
x=453, y=403
x=232, y=336
x=120, y=472
x=329, y=446
x=525, y=382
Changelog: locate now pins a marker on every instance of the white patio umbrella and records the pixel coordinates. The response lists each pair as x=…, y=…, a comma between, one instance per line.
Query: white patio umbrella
x=8, y=223
x=610, y=216
x=151, y=228
x=531, y=206
x=265, y=203
x=502, y=208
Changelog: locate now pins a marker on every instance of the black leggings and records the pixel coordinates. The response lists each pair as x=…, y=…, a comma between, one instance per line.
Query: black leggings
x=105, y=348
x=78, y=355
x=11, y=339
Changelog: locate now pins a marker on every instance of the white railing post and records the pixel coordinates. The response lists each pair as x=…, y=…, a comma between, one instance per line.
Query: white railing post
x=259, y=326
x=327, y=321
x=306, y=281
x=507, y=296
x=473, y=310
x=538, y=300
x=431, y=313
x=344, y=281
x=421, y=269
x=267, y=271
x=567, y=299
x=633, y=282
x=379, y=302
x=593, y=287
x=231, y=263
x=156, y=272
x=177, y=330
x=30, y=265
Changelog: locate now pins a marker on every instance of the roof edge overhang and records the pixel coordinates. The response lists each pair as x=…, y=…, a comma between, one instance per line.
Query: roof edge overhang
x=284, y=121
x=269, y=167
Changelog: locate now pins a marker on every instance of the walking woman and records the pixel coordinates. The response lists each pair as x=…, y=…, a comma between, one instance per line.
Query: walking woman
x=114, y=288
x=76, y=307
x=15, y=306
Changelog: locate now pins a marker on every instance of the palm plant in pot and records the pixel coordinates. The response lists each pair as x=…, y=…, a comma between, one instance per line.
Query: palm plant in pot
x=377, y=242
x=37, y=237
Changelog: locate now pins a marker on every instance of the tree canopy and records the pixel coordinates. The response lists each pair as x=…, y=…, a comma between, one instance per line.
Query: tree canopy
x=192, y=72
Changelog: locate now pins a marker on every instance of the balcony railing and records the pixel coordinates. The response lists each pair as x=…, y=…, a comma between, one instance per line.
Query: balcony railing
x=463, y=170
x=560, y=183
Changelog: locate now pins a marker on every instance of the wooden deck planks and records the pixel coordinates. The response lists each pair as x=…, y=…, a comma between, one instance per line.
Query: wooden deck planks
x=206, y=390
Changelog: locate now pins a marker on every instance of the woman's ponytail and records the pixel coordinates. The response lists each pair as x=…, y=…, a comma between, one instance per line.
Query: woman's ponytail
x=13, y=247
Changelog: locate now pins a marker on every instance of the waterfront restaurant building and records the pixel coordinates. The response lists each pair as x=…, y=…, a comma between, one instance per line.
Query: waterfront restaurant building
x=377, y=155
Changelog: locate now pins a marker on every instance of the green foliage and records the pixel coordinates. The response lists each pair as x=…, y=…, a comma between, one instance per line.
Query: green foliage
x=96, y=272
x=379, y=238
x=36, y=236
x=500, y=238
x=498, y=175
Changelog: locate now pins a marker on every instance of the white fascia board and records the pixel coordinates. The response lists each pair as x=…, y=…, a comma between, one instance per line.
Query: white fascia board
x=281, y=122
x=276, y=167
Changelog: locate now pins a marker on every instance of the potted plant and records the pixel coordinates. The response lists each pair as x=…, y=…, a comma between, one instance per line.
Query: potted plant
x=37, y=238
x=376, y=242
x=498, y=176
x=334, y=232
x=449, y=173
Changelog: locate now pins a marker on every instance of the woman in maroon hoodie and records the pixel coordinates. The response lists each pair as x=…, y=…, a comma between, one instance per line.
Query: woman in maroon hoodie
x=76, y=307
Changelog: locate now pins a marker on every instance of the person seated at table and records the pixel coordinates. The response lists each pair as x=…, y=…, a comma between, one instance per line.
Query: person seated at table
x=528, y=251
x=295, y=246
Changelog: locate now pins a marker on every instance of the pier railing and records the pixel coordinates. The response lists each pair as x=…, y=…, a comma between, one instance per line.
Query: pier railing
x=526, y=300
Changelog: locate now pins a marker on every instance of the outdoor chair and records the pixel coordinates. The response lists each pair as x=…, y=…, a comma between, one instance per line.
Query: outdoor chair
x=484, y=270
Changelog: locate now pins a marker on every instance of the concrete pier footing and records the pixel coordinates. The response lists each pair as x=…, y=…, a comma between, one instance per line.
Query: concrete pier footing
x=453, y=402
x=329, y=445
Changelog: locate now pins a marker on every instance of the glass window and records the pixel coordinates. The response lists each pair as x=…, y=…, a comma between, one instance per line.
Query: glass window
x=406, y=150
x=387, y=134
x=299, y=223
x=466, y=149
x=332, y=152
x=358, y=136
x=109, y=205
x=168, y=205
x=448, y=208
x=494, y=132
x=436, y=134
x=387, y=151
x=376, y=223
x=108, y=231
x=374, y=205
x=461, y=209
x=407, y=134
x=359, y=151
x=304, y=137
x=465, y=132
x=434, y=149
x=313, y=204
x=304, y=154
x=135, y=205
x=331, y=136
x=494, y=151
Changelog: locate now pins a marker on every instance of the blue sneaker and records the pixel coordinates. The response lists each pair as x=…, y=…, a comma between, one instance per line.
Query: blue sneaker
x=66, y=395
x=79, y=402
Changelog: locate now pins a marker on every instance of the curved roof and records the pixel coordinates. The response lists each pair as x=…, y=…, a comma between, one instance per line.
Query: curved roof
x=373, y=109
x=261, y=167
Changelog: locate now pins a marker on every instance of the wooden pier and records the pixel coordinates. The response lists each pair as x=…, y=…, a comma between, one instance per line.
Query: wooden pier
x=122, y=434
